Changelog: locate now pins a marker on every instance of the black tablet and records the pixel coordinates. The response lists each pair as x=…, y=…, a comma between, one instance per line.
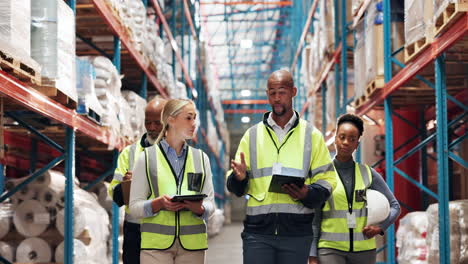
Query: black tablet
x=191, y=197
x=278, y=180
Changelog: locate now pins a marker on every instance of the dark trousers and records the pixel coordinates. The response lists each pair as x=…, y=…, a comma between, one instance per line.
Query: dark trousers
x=270, y=249
x=131, y=243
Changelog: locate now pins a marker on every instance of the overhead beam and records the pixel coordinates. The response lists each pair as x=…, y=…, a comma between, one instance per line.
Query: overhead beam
x=243, y=12
x=245, y=102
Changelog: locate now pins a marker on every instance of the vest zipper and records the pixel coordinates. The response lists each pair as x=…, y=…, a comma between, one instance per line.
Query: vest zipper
x=350, y=208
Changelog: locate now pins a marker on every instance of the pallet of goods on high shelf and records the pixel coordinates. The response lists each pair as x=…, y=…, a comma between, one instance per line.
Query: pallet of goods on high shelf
x=15, y=41
x=53, y=47
x=373, y=43
x=418, y=27
x=447, y=12
x=88, y=104
x=107, y=85
x=369, y=53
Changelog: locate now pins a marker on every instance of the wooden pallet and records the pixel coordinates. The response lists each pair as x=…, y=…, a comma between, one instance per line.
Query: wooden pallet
x=374, y=85
x=49, y=89
x=358, y=102
x=415, y=48
x=451, y=13
x=19, y=69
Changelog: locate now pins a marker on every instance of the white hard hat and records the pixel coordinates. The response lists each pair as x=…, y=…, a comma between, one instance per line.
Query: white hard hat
x=378, y=207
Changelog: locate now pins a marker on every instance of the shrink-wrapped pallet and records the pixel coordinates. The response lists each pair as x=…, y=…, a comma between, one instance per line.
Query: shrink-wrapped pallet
x=411, y=238
x=87, y=99
x=359, y=61
x=53, y=43
x=418, y=21
x=137, y=115
x=15, y=25
x=374, y=40
x=458, y=211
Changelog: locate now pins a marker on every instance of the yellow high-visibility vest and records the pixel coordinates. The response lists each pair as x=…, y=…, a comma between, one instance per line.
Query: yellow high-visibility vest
x=127, y=159
x=334, y=228
x=302, y=153
x=161, y=230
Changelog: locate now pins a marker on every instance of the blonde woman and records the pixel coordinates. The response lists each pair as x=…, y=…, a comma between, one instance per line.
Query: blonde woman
x=173, y=232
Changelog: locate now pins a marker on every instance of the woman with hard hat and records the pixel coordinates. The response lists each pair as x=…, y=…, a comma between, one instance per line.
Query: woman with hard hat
x=344, y=230
x=173, y=228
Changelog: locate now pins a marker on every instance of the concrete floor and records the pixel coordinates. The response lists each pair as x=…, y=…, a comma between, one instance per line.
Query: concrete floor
x=226, y=247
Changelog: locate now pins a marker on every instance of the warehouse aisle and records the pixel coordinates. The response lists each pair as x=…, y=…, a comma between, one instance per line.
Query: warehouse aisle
x=226, y=247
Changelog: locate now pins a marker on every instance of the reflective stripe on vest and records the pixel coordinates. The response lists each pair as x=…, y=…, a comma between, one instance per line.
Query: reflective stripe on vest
x=279, y=208
x=267, y=171
x=334, y=232
x=131, y=156
x=161, y=230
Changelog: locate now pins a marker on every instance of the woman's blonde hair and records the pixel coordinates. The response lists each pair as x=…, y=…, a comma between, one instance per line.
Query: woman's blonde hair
x=172, y=108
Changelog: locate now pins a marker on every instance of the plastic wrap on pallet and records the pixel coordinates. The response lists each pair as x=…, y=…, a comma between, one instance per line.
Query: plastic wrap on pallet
x=87, y=99
x=359, y=61
x=458, y=232
x=326, y=29
x=440, y=6
x=331, y=106
x=415, y=25
x=7, y=251
x=53, y=43
x=90, y=221
x=374, y=39
x=125, y=114
x=15, y=25
x=137, y=115
x=180, y=91
x=356, y=4
x=411, y=238
x=107, y=76
x=6, y=215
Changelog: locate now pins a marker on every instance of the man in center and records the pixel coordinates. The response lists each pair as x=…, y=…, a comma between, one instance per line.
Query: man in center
x=278, y=224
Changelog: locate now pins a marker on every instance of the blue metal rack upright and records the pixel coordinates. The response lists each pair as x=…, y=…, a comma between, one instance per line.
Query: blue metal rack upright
x=445, y=151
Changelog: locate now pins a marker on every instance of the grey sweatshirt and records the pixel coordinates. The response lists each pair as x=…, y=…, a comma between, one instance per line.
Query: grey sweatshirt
x=346, y=172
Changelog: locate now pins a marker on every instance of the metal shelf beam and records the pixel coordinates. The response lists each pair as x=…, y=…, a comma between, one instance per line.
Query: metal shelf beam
x=37, y=102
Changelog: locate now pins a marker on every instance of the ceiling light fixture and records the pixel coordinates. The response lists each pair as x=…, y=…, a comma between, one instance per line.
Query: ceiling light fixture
x=245, y=119
x=246, y=93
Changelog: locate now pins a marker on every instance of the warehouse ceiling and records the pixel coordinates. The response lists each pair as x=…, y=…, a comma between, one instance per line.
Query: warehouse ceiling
x=247, y=40
x=244, y=42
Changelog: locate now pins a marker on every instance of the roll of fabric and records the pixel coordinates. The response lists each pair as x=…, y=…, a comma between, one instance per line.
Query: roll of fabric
x=80, y=251
x=7, y=251
x=49, y=195
x=5, y=223
x=28, y=192
x=79, y=221
x=31, y=218
x=33, y=249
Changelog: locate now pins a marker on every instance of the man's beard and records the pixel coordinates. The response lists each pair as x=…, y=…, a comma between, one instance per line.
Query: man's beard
x=280, y=113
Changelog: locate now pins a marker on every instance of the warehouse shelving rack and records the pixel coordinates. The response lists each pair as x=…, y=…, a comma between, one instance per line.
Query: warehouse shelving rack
x=456, y=106
x=21, y=100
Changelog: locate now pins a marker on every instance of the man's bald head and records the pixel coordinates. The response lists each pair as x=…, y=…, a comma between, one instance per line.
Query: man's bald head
x=153, y=116
x=281, y=76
